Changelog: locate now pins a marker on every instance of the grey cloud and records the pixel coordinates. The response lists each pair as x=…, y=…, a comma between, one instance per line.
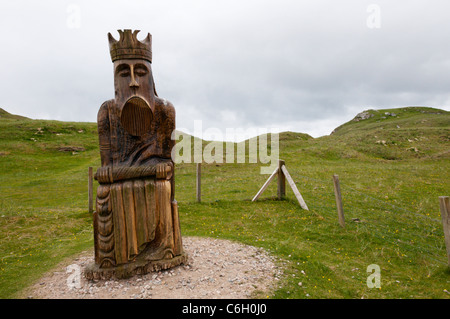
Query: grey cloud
x=241, y=63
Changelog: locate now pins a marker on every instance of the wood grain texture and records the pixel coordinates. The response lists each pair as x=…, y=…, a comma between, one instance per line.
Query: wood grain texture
x=152, y=217
x=178, y=243
x=281, y=190
x=297, y=194
x=120, y=235
x=263, y=188
x=338, y=196
x=136, y=117
x=444, y=204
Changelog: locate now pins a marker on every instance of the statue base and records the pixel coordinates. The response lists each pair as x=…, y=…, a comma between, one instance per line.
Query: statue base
x=137, y=267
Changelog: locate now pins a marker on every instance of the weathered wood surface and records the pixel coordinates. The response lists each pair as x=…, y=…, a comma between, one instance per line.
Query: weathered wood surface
x=136, y=222
x=444, y=203
x=178, y=243
x=281, y=190
x=297, y=194
x=263, y=188
x=282, y=173
x=110, y=174
x=338, y=196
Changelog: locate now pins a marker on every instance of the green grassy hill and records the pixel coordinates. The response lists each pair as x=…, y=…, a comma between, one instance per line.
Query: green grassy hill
x=6, y=115
x=393, y=165
x=403, y=133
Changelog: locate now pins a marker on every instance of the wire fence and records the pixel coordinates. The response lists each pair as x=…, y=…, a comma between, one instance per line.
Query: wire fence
x=407, y=230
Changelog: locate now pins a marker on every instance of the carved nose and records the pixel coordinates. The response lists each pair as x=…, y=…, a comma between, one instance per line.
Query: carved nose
x=133, y=83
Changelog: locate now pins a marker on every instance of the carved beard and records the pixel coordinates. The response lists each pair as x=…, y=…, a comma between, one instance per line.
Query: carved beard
x=136, y=116
x=135, y=103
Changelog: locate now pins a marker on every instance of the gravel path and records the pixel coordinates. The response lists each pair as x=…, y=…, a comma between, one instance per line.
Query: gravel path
x=215, y=269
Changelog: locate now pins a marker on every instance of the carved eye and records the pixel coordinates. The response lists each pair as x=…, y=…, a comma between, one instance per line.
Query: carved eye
x=123, y=70
x=140, y=70
x=124, y=73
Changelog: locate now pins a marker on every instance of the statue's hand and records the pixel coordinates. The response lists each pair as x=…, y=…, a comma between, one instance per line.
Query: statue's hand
x=161, y=172
x=103, y=174
x=108, y=174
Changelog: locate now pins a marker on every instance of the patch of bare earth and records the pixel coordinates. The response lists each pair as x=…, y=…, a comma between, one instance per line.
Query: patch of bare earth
x=215, y=269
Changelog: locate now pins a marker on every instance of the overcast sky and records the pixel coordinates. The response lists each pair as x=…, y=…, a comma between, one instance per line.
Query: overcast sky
x=303, y=66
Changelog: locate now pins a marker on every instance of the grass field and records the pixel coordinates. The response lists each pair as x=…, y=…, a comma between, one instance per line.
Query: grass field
x=392, y=166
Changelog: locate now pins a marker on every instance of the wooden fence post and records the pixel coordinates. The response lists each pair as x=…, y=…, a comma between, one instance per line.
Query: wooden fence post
x=337, y=193
x=297, y=194
x=444, y=202
x=91, y=209
x=283, y=175
x=281, y=181
x=199, y=181
x=263, y=188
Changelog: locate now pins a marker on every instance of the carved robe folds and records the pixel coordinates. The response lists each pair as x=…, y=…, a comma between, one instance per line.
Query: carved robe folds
x=136, y=214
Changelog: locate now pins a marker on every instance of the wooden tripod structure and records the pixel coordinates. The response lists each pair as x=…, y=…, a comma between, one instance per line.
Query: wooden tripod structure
x=283, y=174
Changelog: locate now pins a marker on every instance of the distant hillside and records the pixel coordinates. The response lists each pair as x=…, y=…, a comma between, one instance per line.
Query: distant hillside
x=408, y=117
x=387, y=134
x=400, y=133
x=6, y=115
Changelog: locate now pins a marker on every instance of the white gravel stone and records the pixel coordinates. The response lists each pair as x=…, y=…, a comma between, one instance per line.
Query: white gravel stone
x=215, y=269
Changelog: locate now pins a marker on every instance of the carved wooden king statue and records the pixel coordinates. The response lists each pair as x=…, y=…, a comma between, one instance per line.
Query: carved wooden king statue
x=136, y=225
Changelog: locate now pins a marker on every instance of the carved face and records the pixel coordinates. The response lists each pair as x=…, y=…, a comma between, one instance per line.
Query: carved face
x=133, y=78
x=133, y=82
